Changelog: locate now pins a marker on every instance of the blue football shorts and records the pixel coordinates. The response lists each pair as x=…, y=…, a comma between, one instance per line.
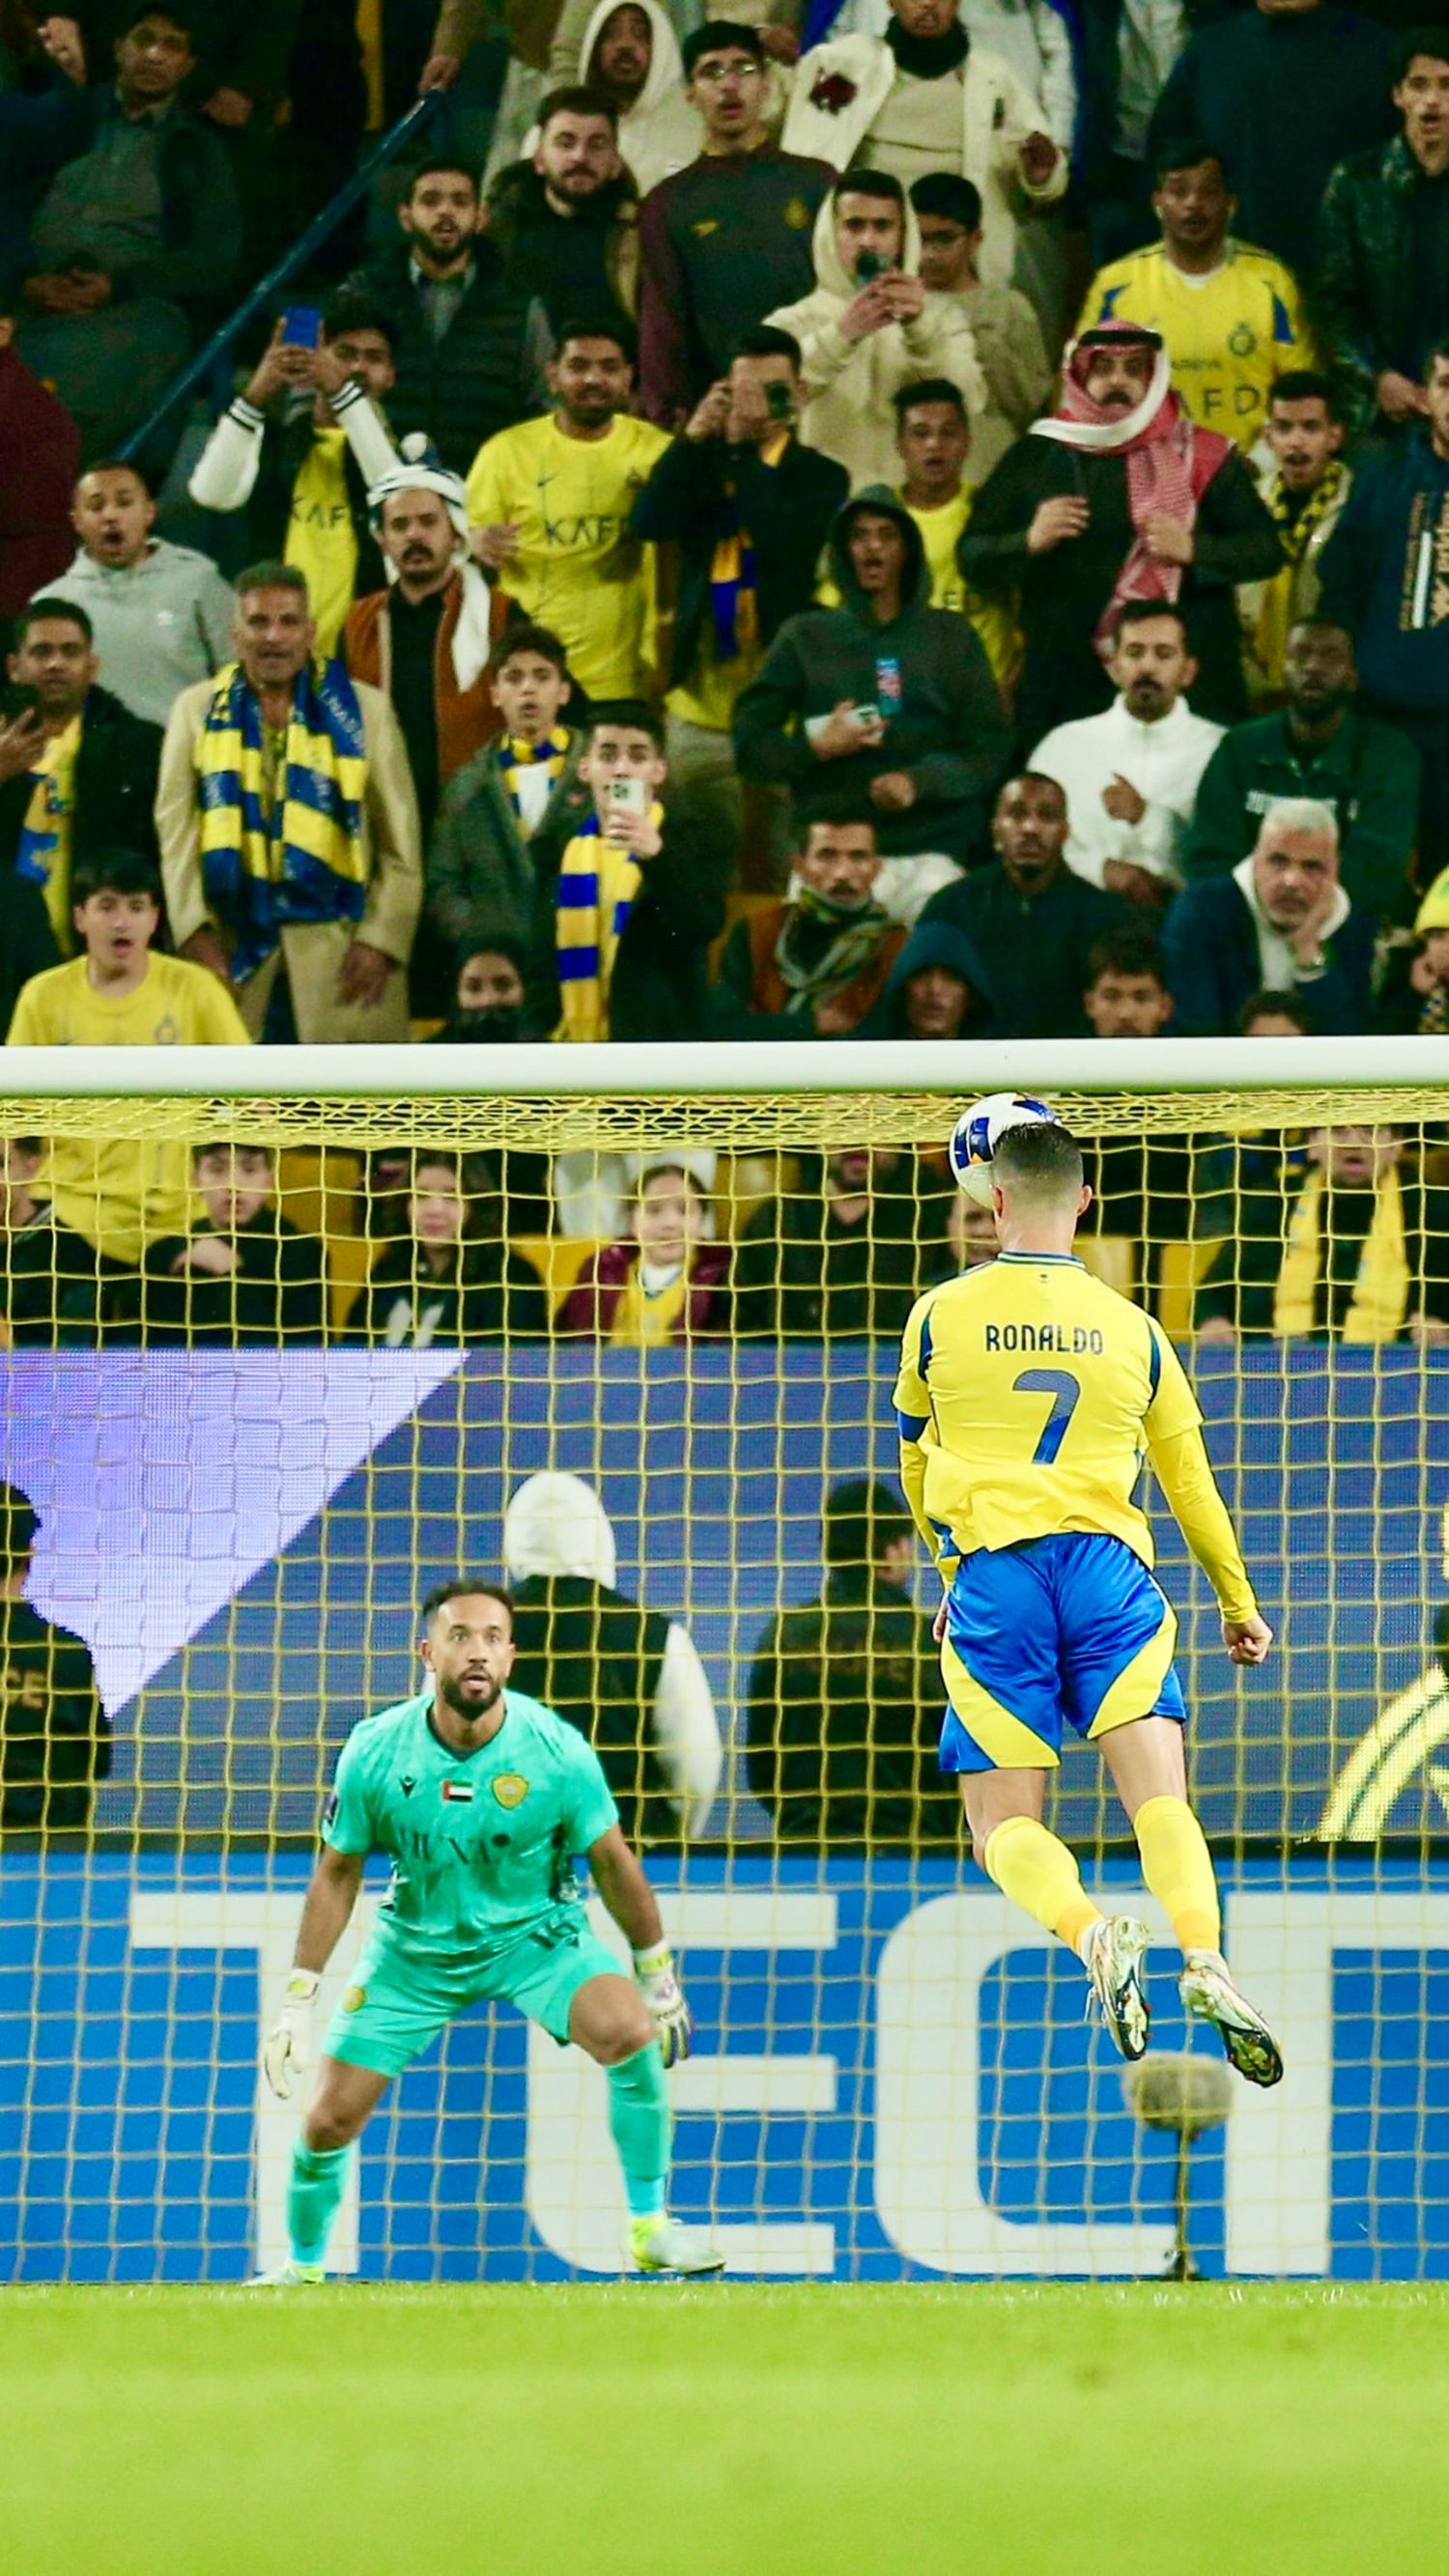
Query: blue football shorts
x=1070, y=1628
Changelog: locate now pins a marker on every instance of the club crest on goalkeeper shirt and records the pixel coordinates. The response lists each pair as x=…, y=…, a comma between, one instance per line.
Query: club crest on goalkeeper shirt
x=482, y=1844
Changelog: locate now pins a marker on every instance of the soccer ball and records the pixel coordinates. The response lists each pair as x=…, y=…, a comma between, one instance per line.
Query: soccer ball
x=979, y=1130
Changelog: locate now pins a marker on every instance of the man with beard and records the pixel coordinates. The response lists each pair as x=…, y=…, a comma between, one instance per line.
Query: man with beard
x=469, y=344
x=1118, y=496
x=630, y=52
x=843, y=1263
x=1130, y=777
x=566, y=220
x=550, y=501
x=815, y=966
x=1305, y=495
x=1030, y=918
x=1280, y=922
x=480, y=1796
x=1321, y=744
x=727, y=239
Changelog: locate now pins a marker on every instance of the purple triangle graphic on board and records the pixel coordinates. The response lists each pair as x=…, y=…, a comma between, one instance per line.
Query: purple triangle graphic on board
x=165, y=1480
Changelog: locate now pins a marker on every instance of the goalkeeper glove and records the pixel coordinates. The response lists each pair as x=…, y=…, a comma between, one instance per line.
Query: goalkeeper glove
x=664, y=1995
x=287, y=2048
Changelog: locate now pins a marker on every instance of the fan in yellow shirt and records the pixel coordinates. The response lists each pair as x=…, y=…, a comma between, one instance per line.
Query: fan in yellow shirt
x=1230, y=318
x=121, y=1192
x=549, y=503
x=1028, y=1393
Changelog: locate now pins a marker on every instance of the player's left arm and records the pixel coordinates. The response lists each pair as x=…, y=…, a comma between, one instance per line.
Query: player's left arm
x=1180, y=1462
x=620, y=1880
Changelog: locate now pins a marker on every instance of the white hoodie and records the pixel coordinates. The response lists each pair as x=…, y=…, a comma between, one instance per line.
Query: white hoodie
x=849, y=384
x=556, y=1524
x=662, y=132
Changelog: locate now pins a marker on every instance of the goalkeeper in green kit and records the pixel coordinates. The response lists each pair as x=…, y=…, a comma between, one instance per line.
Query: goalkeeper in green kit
x=480, y=1798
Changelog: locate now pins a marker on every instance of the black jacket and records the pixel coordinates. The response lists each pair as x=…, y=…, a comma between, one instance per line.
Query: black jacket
x=1241, y=1284
x=1034, y=947
x=404, y=1306
x=50, y=1287
x=801, y=1276
x=115, y=787
x=1211, y=950
x=596, y=1657
x=27, y=943
x=1064, y=592
x=56, y=1740
x=845, y=1717
x=576, y=265
x=659, y=987
x=200, y=210
x=277, y=1294
x=702, y=491
x=945, y=726
x=482, y=376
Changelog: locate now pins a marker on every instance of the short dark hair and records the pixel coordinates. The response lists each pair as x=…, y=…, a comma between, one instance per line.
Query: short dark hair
x=861, y=818
x=868, y=183
x=862, y=1516
x=1126, y=952
x=1043, y=1157
x=117, y=465
x=951, y=199
x=635, y=713
x=440, y=167
x=462, y=1587
x=351, y=308
x=272, y=574
x=232, y=1145
x=577, y=99
x=1431, y=42
x=714, y=37
x=928, y=389
x=525, y=637
x=1185, y=152
x=481, y=936
x=115, y=872
x=38, y=608
x=1284, y=1006
x=1305, y=384
x=598, y=326
x=18, y=1525
x=766, y=341
x=179, y=18
x=1137, y=612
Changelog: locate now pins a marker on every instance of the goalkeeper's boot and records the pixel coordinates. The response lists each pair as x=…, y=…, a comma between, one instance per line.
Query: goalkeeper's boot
x=1116, y=1949
x=1209, y=1993
x=289, y=2276
x=661, y=2244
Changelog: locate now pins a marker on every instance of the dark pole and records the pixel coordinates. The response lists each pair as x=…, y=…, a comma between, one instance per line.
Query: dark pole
x=287, y=266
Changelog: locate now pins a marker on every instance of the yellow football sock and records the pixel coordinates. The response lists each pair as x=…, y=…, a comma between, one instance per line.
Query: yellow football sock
x=1039, y=1874
x=1178, y=1868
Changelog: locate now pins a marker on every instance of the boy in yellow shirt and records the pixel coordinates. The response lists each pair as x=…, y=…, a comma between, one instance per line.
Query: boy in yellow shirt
x=549, y=504
x=120, y=1192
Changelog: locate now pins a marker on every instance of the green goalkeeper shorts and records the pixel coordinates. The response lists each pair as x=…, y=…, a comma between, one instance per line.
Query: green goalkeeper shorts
x=397, y=2004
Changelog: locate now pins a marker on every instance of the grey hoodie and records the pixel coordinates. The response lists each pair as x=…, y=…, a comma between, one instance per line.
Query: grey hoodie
x=159, y=624
x=927, y=672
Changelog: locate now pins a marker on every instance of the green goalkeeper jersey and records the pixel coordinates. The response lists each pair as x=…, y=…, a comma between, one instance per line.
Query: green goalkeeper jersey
x=482, y=1844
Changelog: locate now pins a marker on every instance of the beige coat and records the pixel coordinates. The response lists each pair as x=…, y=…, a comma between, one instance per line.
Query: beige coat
x=997, y=114
x=392, y=839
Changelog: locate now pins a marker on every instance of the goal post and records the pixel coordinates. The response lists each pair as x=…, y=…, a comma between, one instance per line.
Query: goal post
x=238, y=1525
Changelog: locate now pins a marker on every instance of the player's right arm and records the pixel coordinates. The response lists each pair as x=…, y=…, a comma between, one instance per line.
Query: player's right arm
x=346, y=1841
x=913, y=1421
x=1180, y=1462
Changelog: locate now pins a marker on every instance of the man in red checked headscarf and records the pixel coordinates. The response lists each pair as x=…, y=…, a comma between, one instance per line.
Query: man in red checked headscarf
x=1118, y=496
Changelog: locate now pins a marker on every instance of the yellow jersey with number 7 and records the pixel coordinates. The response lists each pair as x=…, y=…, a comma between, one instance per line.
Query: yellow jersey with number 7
x=1031, y=1392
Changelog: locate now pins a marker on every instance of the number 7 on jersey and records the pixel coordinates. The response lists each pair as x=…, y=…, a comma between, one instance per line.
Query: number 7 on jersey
x=1065, y=1392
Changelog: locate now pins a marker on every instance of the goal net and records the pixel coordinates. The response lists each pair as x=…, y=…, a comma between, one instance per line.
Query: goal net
x=283, y=1348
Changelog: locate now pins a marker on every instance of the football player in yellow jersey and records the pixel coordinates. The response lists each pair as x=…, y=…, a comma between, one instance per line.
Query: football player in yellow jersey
x=1028, y=1393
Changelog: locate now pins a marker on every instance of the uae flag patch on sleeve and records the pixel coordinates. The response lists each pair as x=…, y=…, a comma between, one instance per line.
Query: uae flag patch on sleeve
x=458, y=1793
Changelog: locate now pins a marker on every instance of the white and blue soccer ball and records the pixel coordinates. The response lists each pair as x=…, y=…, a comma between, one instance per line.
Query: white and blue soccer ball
x=979, y=1130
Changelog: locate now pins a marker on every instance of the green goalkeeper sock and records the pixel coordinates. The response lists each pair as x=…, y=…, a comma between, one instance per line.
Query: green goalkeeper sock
x=641, y=2127
x=318, y=2176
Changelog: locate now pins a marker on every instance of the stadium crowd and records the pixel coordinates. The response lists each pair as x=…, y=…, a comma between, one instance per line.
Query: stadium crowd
x=915, y=520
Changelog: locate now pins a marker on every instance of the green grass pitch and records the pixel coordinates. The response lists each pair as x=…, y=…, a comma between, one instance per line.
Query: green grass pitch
x=661, y=2430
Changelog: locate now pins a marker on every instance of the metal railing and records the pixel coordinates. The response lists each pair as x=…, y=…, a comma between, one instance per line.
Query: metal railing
x=258, y=297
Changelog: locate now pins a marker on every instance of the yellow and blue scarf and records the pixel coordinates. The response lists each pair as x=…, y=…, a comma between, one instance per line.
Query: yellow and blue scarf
x=304, y=859
x=597, y=884
x=1380, y=1298
x=516, y=754
x=43, y=851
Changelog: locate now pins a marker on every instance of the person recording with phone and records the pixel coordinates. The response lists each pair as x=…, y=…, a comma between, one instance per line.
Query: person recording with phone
x=749, y=510
x=871, y=327
x=77, y=771
x=626, y=898
x=301, y=446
